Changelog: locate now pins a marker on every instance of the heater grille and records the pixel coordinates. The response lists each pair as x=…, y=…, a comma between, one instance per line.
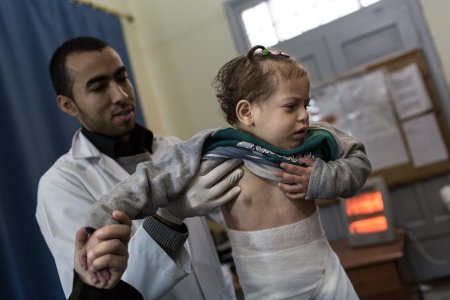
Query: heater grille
x=368, y=215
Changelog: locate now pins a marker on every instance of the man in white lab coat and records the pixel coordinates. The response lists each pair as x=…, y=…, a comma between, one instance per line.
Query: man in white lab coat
x=166, y=260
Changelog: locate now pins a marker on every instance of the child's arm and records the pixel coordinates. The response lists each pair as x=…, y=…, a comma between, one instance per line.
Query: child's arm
x=153, y=184
x=343, y=177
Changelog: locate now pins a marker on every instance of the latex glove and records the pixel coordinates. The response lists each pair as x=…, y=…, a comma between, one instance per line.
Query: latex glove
x=211, y=187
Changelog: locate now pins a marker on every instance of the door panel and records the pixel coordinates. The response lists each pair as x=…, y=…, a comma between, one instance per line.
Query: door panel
x=312, y=53
x=371, y=34
x=372, y=46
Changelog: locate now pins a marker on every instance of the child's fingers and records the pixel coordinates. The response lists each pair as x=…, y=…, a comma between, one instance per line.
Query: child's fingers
x=294, y=191
x=114, y=247
x=80, y=241
x=308, y=160
x=295, y=169
x=94, y=277
x=299, y=196
x=292, y=188
x=114, y=231
x=104, y=276
x=112, y=262
x=121, y=217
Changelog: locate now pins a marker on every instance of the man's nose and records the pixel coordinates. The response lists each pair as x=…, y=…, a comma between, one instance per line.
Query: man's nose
x=118, y=93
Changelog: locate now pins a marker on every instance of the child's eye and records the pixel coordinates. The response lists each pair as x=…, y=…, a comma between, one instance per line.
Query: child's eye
x=290, y=106
x=307, y=103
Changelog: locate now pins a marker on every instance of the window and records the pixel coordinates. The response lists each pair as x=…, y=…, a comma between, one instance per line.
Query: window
x=274, y=21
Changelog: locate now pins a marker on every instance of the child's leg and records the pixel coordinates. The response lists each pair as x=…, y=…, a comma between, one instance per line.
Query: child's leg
x=336, y=284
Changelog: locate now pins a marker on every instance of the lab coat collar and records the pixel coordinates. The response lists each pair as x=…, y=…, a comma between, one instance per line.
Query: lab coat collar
x=83, y=149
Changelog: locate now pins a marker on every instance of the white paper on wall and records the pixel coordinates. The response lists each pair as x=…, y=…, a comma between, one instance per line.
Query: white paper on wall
x=352, y=94
x=408, y=92
x=377, y=127
x=375, y=87
x=425, y=140
x=326, y=105
x=359, y=92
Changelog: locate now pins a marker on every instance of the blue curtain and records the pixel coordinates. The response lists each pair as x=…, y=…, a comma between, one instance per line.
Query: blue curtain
x=34, y=132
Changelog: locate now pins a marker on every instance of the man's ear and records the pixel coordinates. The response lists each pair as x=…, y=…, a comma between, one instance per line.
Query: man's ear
x=67, y=105
x=244, y=112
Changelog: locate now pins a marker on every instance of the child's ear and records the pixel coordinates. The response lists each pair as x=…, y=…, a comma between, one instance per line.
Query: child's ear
x=67, y=105
x=244, y=112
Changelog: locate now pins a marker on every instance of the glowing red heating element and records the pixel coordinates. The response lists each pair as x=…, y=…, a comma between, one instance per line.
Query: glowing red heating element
x=366, y=213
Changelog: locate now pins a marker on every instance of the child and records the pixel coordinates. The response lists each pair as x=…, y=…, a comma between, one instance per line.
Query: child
x=278, y=243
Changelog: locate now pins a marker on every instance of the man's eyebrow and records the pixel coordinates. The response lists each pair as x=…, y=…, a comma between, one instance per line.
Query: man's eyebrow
x=120, y=70
x=96, y=79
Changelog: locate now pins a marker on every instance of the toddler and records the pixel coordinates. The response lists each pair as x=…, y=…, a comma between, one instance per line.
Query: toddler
x=277, y=240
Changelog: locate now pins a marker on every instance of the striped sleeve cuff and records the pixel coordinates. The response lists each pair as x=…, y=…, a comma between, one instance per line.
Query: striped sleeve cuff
x=169, y=239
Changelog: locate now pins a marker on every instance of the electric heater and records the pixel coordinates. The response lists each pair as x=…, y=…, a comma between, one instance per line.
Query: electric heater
x=368, y=215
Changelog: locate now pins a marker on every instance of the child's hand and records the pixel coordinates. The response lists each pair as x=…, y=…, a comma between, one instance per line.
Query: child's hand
x=81, y=263
x=101, y=260
x=297, y=178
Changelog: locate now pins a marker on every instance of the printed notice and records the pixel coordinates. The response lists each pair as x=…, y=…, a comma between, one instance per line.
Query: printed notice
x=326, y=106
x=425, y=140
x=356, y=93
x=409, y=93
x=378, y=129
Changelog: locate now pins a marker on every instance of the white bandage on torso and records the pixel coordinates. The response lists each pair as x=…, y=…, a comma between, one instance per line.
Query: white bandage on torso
x=293, y=261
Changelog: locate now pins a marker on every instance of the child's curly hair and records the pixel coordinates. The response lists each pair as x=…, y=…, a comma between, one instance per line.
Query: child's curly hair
x=253, y=77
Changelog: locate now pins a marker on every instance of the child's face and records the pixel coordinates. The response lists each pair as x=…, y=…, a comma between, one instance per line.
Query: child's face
x=282, y=120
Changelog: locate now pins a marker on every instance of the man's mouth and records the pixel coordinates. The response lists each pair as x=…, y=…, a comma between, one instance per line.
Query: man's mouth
x=123, y=112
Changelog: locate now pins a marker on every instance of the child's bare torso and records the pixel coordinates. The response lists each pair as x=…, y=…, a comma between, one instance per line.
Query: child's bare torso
x=262, y=205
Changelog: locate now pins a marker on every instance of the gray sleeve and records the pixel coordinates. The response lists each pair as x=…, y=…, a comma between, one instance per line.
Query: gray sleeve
x=343, y=177
x=153, y=185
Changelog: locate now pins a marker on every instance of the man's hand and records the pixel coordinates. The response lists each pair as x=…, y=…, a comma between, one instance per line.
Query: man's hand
x=101, y=260
x=297, y=178
x=212, y=186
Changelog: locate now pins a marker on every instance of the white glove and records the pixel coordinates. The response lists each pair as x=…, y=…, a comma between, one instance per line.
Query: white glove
x=211, y=187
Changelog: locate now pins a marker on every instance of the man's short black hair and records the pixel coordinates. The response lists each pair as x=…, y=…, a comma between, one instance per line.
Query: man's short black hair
x=61, y=80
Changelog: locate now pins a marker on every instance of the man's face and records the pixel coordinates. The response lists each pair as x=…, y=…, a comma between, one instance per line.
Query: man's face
x=102, y=93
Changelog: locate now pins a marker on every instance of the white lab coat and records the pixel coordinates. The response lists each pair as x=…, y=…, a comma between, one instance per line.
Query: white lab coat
x=66, y=194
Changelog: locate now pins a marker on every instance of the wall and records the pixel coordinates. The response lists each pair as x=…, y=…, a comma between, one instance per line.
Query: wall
x=176, y=50
x=436, y=14
x=180, y=52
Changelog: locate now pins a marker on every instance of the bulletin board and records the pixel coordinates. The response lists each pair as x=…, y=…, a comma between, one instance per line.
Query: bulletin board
x=408, y=173
x=412, y=169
